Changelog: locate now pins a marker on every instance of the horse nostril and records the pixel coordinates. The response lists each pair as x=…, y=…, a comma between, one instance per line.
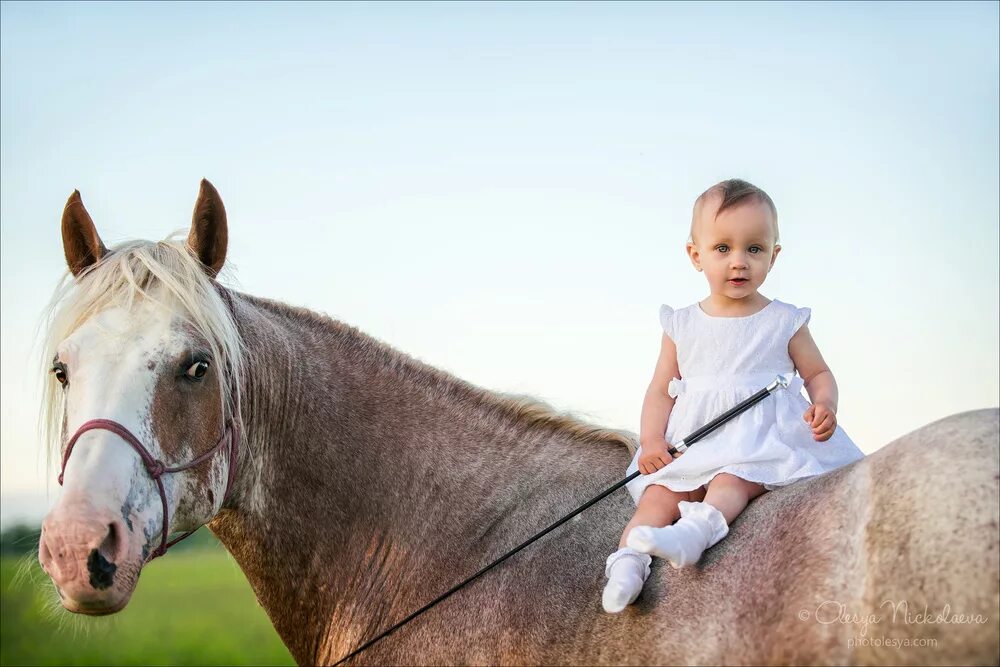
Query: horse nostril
x=101, y=561
x=111, y=546
x=102, y=573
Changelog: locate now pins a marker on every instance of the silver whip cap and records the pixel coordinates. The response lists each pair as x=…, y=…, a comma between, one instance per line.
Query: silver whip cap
x=780, y=381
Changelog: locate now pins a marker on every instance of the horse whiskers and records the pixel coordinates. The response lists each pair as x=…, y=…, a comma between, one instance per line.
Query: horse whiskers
x=80, y=626
x=28, y=571
x=50, y=604
x=52, y=611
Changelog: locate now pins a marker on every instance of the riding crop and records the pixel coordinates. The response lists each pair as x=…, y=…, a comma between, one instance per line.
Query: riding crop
x=679, y=447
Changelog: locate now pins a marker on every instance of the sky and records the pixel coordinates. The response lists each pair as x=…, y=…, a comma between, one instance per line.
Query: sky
x=504, y=190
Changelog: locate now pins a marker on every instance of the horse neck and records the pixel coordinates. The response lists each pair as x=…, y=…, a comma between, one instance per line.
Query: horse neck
x=367, y=468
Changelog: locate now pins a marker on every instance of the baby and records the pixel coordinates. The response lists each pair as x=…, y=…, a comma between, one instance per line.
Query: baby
x=714, y=354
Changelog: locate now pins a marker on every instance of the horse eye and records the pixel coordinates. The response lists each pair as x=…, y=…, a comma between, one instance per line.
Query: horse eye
x=60, y=374
x=197, y=370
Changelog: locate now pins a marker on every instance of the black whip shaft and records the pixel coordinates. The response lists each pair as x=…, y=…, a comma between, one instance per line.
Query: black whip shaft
x=507, y=555
x=694, y=437
x=726, y=416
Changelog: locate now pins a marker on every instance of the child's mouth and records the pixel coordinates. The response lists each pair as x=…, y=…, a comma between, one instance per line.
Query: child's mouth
x=738, y=281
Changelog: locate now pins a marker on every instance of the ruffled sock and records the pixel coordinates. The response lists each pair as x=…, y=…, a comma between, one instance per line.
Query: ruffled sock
x=701, y=525
x=626, y=570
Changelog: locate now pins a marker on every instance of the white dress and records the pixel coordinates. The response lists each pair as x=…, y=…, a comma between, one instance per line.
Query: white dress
x=722, y=361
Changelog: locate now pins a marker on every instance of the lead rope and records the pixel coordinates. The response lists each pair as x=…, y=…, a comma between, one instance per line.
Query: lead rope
x=780, y=381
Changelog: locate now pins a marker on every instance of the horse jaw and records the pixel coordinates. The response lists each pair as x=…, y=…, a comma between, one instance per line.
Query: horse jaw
x=97, y=537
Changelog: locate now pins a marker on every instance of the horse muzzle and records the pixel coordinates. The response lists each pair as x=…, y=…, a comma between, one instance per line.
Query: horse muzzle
x=91, y=557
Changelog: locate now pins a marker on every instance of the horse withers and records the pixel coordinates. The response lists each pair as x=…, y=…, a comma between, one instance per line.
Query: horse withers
x=353, y=484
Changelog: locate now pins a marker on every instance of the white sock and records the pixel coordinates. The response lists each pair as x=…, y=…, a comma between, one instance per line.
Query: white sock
x=700, y=526
x=626, y=570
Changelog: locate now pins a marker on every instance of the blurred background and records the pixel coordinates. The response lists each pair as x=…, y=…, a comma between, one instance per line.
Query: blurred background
x=502, y=190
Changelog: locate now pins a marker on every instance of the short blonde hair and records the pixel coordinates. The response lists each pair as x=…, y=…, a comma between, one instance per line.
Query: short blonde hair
x=734, y=192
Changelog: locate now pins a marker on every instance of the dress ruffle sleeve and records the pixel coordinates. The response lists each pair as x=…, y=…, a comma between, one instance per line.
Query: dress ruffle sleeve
x=800, y=318
x=667, y=321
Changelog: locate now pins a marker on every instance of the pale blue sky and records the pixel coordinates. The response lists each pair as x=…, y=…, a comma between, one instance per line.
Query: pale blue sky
x=504, y=190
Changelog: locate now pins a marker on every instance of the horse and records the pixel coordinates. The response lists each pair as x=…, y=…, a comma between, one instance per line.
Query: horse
x=353, y=483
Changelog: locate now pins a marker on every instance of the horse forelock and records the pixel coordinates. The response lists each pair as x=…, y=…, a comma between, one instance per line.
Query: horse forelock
x=165, y=274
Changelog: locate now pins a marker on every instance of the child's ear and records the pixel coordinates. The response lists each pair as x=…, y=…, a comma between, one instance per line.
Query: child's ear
x=692, y=251
x=774, y=256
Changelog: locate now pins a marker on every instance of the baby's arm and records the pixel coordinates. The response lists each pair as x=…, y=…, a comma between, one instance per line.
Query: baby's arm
x=819, y=381
x=656, y=409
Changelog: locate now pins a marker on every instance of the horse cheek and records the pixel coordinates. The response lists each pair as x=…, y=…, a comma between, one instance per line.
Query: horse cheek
x=185, y=421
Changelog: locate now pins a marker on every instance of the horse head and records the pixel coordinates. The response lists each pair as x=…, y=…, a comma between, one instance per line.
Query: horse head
x=143, y=402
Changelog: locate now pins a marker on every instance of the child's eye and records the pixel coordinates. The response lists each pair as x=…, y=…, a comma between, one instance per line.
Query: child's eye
x=722, y=247
x=755, y=249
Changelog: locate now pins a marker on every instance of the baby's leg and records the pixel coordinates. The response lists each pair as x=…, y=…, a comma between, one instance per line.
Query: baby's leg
x=730, y=494
x=657, y=507
x=702, y=524
x=627, y=568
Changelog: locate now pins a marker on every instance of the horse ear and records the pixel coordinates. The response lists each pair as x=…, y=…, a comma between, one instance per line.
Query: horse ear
x=81, y=243
x=209, y=235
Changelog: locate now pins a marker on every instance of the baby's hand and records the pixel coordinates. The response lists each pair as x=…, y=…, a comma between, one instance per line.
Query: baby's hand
x=822, y=420
x=653, y=456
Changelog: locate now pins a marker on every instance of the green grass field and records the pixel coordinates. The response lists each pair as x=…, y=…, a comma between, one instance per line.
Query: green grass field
x=190, y=608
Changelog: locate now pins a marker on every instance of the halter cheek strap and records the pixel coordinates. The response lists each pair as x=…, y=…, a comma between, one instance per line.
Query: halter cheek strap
x=157, y=468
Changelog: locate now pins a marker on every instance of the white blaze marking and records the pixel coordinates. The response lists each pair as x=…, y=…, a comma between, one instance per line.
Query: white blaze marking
x=108, y=361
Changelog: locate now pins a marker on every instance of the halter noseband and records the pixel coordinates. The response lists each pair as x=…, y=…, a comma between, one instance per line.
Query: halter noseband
x=157, y=468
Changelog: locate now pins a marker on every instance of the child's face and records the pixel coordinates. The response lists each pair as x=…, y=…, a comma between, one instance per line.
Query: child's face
x=736, y=250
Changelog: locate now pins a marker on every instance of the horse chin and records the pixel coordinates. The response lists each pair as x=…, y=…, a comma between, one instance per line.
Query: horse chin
x=95, y=607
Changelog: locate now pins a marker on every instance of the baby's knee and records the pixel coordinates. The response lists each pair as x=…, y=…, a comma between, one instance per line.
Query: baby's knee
x=659, y=494
x=725, y=480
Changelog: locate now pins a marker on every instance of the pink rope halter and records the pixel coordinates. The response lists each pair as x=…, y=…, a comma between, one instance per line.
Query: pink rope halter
x=157, y=468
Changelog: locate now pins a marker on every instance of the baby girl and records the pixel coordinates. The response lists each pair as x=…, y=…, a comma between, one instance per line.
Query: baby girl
x=714, y=354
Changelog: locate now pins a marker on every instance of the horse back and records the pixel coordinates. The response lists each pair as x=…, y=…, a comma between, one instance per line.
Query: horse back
x=890, y=560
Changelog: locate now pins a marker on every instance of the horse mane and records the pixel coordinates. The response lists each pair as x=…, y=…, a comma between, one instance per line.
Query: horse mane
x=168, y=274
x=165, y=273
x=536, y=413
x=522, y=411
